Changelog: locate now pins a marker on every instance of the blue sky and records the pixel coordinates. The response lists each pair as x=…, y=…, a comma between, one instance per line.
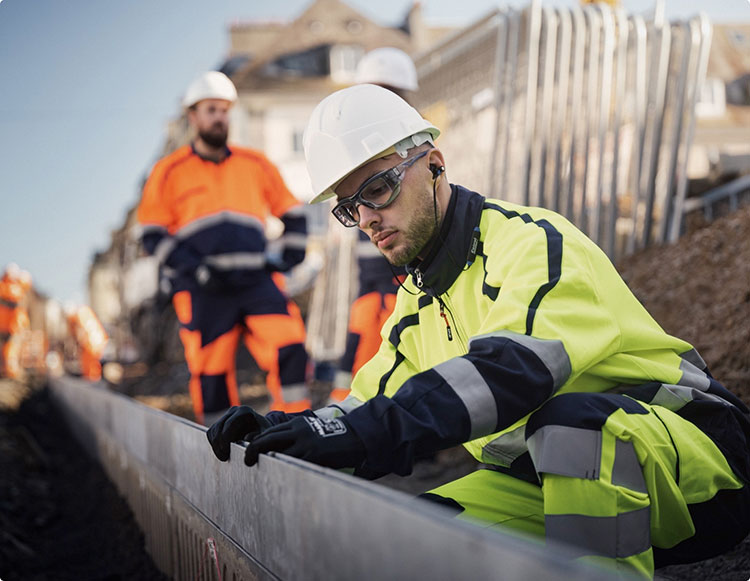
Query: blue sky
x=87, y=88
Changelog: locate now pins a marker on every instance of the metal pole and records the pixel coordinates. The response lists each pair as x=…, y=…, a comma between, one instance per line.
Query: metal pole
x=563, y=77
x=706, y=33
x=533, y=16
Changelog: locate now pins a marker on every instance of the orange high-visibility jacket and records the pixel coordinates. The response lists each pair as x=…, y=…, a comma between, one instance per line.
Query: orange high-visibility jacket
x=198, y=212
x=11, y=293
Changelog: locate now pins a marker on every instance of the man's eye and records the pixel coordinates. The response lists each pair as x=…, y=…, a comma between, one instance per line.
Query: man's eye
x=376, y=191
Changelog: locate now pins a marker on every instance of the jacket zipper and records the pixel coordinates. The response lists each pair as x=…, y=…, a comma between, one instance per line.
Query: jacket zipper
x=445, y=318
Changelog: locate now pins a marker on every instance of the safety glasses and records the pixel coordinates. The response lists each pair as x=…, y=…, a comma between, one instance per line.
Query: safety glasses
x=380, y=191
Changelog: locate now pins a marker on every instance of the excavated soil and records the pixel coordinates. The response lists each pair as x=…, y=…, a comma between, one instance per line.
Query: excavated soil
x=60, y=518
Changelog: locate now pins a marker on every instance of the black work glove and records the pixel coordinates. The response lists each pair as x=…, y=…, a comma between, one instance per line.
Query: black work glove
x=240, y=422
x=326, y=442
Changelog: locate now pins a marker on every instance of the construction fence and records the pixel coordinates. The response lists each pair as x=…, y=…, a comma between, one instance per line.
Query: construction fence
x=584, y=110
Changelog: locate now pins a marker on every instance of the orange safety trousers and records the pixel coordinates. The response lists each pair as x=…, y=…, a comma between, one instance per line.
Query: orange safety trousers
x=91, y=367
x=274, y=334
x=366, y=318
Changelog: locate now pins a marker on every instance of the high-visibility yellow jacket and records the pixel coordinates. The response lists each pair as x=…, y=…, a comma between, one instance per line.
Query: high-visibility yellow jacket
x=512, y=306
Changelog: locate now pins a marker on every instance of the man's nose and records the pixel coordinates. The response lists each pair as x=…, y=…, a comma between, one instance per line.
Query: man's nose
x=367, y=217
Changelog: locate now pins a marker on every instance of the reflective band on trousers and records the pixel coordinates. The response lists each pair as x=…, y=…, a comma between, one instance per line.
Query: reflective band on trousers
x=576, y=452
x=566, y=451
x=294, y=392
x=675, y=397
x=693, y=377
x=550, y=352
x=474, y=392
x=615, y=537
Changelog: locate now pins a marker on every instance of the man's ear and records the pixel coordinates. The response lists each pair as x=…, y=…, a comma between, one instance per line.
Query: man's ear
x=436, y=170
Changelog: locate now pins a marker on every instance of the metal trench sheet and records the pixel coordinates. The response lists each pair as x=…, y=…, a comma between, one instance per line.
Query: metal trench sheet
x=284, y=518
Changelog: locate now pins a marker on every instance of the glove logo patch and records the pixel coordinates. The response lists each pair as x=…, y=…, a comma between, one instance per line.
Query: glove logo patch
x=326, y=428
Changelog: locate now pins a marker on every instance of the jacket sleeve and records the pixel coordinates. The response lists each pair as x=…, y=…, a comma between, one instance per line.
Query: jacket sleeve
x=157, y=217
x=518, y=359
x=153, y=212
x=285, y=206
x=294, y=238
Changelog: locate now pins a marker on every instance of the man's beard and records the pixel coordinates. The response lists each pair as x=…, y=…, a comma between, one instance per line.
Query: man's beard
x=215, y=137
x=417, y=234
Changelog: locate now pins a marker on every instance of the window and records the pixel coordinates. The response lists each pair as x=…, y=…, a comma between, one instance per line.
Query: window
x=344, y=59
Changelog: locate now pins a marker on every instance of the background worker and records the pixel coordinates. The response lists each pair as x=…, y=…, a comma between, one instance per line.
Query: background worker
x=515, y=336
x=203, y=211
x=90, y=339
x=392, y=69
x=14, y=319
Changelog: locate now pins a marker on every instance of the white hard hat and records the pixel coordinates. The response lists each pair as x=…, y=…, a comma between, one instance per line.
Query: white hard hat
x=12, y=270
x=355, y=125
x=210, y=85
x=388, y=66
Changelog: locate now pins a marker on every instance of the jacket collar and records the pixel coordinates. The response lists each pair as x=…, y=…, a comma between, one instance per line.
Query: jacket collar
x=455, y=247
x=195, y=151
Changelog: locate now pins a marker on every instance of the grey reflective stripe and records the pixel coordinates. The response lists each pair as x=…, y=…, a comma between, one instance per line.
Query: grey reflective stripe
x=294, y=240
x=8, y=303
x=472, y=389
x=295, y=212
x=342, y=379
x=693, y=377
x=367, y=250
x=504, y=449
x=675, y=397
x=551, y=352
x=694, y=357
x=234, y=260
x=627, y=471
x=164, y=249
x=616, y=537
x=294, y=392
x=566, y=451
x=213, y=219
x=337, y=410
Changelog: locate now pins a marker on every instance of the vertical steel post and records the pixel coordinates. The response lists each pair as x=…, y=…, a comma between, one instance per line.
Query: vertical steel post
x=706, y=33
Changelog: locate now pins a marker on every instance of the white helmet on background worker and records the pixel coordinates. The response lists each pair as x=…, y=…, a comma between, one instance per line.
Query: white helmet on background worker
x=355, y=125
x=389, y=67
x=210, y=85
x=12, y=271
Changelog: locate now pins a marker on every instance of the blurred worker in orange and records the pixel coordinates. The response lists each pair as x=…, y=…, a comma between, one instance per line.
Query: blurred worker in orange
x=14, y=319
x=392, y=69
x=90, y=338
x=203, y=212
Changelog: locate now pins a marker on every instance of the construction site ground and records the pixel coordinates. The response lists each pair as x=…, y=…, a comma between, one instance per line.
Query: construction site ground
x=60, y=518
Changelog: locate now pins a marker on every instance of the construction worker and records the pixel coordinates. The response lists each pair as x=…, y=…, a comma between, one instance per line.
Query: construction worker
x=203, y=212
x=515, y=336
x=14, y=319
x=90, y=339
x=392, y=69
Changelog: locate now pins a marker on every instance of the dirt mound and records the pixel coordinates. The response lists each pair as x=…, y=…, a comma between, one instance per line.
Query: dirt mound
x=698, y=289
x=60, y=517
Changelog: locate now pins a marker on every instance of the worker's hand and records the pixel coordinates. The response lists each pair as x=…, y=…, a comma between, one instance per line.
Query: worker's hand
x=240, y=422
x=328, y=442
